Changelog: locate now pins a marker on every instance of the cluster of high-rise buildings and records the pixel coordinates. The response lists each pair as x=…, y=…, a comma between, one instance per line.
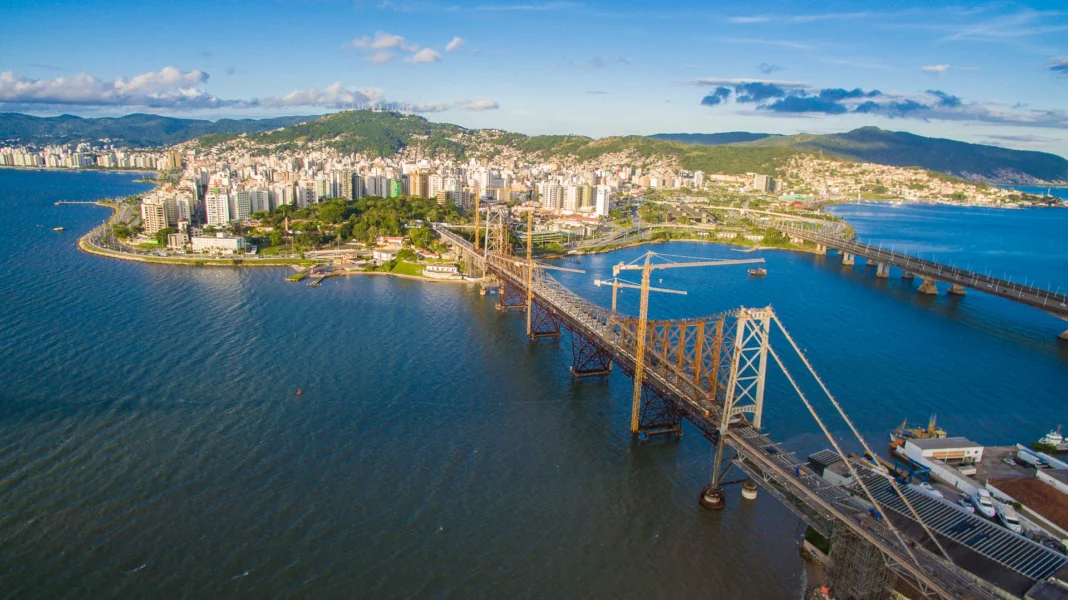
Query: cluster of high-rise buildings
x=86, y=155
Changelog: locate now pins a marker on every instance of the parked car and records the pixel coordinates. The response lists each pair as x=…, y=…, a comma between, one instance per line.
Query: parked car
x=1008, y=460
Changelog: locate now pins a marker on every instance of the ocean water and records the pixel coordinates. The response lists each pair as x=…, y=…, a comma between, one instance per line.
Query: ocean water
x=152, y=444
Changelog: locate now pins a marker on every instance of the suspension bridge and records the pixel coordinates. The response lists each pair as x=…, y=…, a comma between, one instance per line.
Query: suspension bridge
x=710, y=371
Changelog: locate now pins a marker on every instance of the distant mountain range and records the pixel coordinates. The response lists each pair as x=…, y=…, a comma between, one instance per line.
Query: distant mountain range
x=974, y=162
x=385, y=134
x=135, y=131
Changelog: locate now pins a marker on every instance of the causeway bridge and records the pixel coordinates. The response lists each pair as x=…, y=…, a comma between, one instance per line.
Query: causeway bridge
x=710, y=371
x=931, y=272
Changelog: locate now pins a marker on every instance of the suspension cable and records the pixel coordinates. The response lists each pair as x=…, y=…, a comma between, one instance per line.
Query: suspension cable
x=863, y=442
x=838, y=449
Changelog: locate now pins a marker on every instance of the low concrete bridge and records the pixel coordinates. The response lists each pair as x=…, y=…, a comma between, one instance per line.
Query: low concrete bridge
x=931, y=272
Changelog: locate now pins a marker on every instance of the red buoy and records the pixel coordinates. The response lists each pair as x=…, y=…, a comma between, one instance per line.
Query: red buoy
x=299, y=393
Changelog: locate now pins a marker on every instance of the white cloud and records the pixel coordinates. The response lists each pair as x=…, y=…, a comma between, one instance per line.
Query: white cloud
x=455, y=44
x=528, y=7
x=478, y=104
x=380, y=58
x=426, y=55
x=167, y=88
x=935, y=69
x=334, y=95
x=753, y=19
x=383, y=41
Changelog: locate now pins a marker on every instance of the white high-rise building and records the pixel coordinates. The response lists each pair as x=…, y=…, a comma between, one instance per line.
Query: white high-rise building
x=217, y=206
x=436, y=185
x=572, y=198
x=240, y=205
x=603, y=200
x=552, y=196
x=185, y=206
x=261, y=200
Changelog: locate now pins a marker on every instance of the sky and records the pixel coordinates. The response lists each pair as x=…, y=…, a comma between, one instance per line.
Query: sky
x=992, y=73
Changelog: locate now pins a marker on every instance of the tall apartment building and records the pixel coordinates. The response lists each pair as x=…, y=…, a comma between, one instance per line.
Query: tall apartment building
x=572, y=198
x=603, y=200
x=261, y=200
x=153, y=215
x=240, y=205
x=217, y=207
x=419, y=184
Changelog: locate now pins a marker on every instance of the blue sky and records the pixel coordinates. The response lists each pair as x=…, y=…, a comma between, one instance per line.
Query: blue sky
x=991, y=73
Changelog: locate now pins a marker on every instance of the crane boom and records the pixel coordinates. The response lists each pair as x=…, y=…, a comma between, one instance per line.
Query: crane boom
x=710, y=263
x=632, y=286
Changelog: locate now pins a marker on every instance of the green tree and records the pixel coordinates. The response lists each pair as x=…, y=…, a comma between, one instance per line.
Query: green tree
x=276, y=237
x=161, y=235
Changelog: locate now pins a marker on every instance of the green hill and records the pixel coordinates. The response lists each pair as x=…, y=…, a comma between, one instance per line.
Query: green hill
x=711, y=139
x=974, y=162
x=386, y=133
x=135, y=130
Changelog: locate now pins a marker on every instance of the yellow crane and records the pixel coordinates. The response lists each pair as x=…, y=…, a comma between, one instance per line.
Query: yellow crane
x=530, y=265
x=617, y=283
x=647, y=266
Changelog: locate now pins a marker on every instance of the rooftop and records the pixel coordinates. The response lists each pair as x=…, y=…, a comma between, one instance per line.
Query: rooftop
x=1038, y=496
x=944, y=443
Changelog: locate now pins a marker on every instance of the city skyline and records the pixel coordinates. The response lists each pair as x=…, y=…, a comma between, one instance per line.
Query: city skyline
x=993, y=74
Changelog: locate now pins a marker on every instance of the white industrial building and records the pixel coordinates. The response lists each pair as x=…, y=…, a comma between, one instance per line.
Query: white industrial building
x=948, y=450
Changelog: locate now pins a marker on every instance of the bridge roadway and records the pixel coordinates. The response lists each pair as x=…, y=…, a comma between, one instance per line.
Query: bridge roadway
x=1053, y=303
x=811, y=497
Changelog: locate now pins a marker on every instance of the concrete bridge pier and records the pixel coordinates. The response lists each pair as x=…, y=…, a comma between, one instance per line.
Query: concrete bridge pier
x=749, y=490
x=1063, y=336
x=957, y=290
x=848, y=259
x=820, y=248
x=908, y=275
x=928, y=287
x=883, y=272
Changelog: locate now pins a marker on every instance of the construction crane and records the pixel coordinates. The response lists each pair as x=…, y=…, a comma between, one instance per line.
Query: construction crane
x=647, y=266
x=530, y=265
x=617, y=283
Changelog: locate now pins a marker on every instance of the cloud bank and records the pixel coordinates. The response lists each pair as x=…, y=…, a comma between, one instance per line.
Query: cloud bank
x=799, y=99
x=176, y=90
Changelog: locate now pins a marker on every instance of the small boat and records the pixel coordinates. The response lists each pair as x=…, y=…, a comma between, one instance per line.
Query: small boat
x=982, y=503
x=904, y=432
x=758, y=272
x=57, y=229
x=1007, y=516
x=299, y=392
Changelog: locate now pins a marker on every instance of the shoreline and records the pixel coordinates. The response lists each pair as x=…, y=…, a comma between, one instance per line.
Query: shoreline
x=404, y=276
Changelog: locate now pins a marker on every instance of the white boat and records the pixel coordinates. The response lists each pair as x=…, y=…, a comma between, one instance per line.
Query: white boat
x=929, y=489
x=983, y=503
x=965, y=502
x=1053, y=438
x=1008, y=518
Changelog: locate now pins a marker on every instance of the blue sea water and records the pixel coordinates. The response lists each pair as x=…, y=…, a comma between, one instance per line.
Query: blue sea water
x=151, y=442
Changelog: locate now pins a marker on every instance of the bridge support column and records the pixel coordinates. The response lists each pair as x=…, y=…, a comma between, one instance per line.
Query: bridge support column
x=1063, y=336
x=908, y=275
x=588, y=359
x=883, y=272
x=510, y=297
x=821, y=249
x=543, y=322
x=928, y=287
x=848, y=259
x=712, y=498
x=957, y=290
x=859, y=569
x=658, y=415
x=749, y=490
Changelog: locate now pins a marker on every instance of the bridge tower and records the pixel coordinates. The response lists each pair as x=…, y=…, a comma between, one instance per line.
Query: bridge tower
x=860, y=570
x=744, y=394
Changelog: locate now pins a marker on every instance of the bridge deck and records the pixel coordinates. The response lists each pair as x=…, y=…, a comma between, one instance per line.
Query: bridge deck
x=1051, y=302
x=809, y=495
